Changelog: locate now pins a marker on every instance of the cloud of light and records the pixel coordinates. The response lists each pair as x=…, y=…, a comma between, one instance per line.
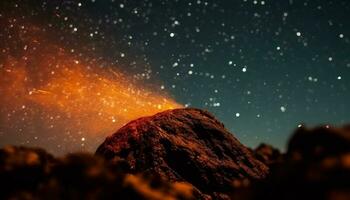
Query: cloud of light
x=49, y=92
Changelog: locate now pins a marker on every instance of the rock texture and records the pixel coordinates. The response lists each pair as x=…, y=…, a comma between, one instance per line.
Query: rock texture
x=184, y=145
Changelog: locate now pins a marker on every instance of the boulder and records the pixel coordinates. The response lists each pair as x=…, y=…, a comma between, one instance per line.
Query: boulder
x=184, y=145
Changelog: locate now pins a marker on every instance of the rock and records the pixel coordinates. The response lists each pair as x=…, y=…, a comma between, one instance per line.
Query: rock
x=319, y=142
x=30, y=173
x=268, y=154
x=316, y=166
x=184, y=145
x=22, y=168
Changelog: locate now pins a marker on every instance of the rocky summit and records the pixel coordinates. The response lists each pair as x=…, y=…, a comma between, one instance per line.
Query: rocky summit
x=184, y=154
x=184, y=145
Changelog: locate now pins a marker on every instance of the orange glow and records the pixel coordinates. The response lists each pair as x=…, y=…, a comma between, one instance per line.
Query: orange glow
x=64, y=94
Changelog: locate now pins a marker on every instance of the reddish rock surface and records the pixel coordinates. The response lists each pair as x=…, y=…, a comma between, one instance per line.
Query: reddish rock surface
x=184, y=145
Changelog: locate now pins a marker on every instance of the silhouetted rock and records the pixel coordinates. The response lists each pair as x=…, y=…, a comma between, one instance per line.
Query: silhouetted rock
x=22, y=169
x=316, y=166
x=185, y=145
x=196, y=153
x=268, y=154
x=27, y=173
x=319, y=142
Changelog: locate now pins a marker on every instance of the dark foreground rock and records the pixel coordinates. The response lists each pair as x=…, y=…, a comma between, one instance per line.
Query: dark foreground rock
x=267, y=154
x=27, y=173
x=318, y=143
x=184, y=145
x=316, y=166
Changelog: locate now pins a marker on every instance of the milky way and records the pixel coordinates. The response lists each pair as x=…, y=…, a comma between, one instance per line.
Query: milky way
x=261, y=67
x=51, y=97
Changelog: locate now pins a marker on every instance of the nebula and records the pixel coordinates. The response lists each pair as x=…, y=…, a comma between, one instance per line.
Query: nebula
x=63, y=101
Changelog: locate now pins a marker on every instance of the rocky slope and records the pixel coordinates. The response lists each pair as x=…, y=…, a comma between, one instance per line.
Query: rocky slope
x=184, y=154
x=184, y=145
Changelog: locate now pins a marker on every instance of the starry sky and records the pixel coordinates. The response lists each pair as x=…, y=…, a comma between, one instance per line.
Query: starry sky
x=263, y=67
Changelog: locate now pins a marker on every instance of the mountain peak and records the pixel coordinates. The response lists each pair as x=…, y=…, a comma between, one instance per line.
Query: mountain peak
x=184, y=145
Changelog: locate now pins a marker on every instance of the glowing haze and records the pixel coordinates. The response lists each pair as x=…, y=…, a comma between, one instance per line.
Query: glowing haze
x=49, y=94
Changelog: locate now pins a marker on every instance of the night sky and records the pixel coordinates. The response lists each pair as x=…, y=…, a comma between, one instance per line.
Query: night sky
x=261, y=67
